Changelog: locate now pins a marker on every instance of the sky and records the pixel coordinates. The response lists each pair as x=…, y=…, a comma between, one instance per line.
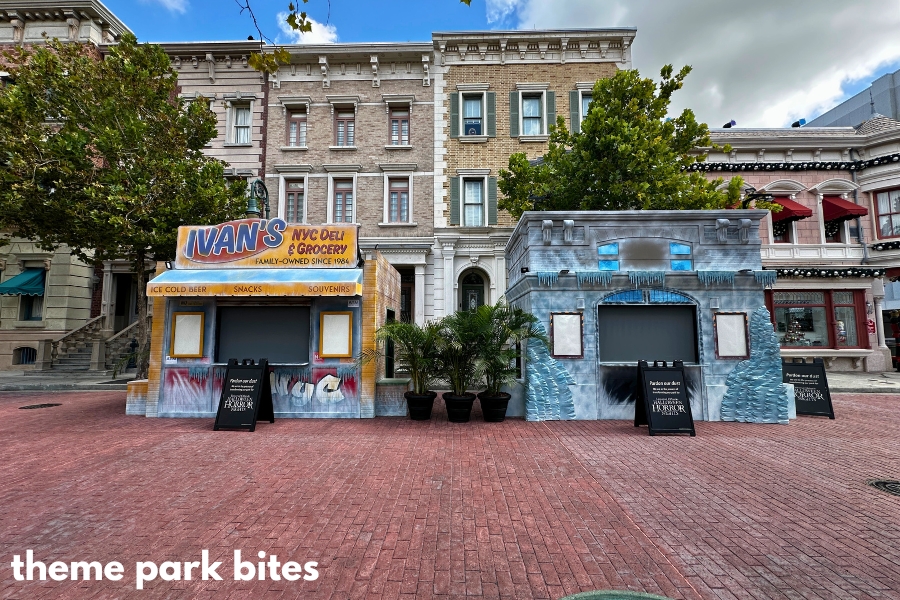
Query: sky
x=764, y=63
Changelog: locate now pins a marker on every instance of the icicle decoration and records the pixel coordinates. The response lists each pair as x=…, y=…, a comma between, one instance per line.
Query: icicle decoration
x=345, y=372
x=594, y=277
x=547, y=278
x=710, y=277
x=766, y=278
x=647, y=277
x=198, y=374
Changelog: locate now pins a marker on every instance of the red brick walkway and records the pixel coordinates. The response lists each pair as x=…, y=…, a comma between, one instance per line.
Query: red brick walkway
x=391, y=508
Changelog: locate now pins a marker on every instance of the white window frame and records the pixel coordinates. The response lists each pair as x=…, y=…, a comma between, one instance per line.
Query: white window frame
x=584, y=89
x=231, y=106
x=283, y=192
x=331, y=188
x=471, y=90
x=462, y=199
x=404, y=171
x=339, y=104
x=292, y=104
x=533, y=89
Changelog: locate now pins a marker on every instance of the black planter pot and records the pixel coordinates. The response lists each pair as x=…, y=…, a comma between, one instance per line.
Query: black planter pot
x=420, y=405
x=493, y=407
x=459, y=408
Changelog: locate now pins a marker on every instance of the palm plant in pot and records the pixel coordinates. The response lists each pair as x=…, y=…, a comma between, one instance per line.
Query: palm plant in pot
x=502, y=330
x=416, y=348
x=458, y=354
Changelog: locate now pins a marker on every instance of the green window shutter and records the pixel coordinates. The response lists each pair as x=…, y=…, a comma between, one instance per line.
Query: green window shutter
x=454, y=200
x=454, y=115
x=551, y=109
x=492, y=201
x=492, y=114
x=575, y=111
x=514, y=114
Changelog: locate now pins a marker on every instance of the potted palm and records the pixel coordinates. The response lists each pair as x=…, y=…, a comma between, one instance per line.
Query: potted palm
x=458, y=355
x=415, y=347
x=502, y=330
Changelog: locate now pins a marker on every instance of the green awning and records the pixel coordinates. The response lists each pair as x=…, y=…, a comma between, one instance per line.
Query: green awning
x=29, y=282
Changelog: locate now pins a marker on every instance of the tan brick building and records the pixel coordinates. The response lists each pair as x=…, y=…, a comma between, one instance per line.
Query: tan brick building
x=496, y=94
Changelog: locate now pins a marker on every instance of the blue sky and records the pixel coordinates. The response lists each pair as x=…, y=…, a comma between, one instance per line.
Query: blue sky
x=764, y=63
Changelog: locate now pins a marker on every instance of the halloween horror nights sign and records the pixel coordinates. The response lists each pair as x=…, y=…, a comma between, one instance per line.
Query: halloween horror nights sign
x=262, y=243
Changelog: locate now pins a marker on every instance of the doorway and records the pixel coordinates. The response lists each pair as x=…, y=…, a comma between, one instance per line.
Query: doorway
x=125, y=308
x=471, y=291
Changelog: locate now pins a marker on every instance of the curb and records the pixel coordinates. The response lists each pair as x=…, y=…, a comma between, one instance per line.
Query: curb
x=866, y=390
x=59, y=387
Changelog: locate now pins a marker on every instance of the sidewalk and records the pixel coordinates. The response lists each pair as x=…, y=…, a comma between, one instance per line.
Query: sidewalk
x=17, y=381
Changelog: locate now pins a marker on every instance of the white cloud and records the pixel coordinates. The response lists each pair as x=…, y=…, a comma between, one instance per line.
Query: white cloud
x=179, y=6
x=764, y=63
x=320, y=34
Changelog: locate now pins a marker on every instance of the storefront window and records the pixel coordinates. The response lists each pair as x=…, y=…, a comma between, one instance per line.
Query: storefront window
x=802, y=319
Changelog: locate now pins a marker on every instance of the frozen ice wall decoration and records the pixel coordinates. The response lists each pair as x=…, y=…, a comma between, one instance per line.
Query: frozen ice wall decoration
x=755, y=392
x=638, y=278
x=547, y=278
x=594, y=277
x=766, y=278
x=713, y=277
x=547, y=393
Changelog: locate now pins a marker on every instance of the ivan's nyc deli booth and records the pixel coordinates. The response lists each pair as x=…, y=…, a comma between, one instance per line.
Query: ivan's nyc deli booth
x=296, y=295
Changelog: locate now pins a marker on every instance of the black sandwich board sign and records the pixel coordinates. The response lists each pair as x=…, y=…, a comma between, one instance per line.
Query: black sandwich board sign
x=662, y=402
x=246, y=396
x=811, y=394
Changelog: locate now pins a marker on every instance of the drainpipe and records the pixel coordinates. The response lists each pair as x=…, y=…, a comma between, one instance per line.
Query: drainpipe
x=860, y=233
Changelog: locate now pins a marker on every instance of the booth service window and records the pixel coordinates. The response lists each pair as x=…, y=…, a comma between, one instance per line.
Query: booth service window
x=293, y=200
x=240, y=124
x=344, y=126
x=400, y=126
x=398, y=200
x=888, y=203
x=821, y=319
x=343, y=201
x=296, y=130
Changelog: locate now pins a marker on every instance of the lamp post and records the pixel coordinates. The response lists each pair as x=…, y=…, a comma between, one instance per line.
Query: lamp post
x=259, y=190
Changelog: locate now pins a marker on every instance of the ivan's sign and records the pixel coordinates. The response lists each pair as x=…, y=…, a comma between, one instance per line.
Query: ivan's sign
x=662, y=402
x=811, y=394
x=246, y=396
x=262, y=243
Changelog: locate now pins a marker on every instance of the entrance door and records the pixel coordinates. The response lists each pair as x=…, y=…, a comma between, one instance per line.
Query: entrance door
x=125, y=310
x=471, y=292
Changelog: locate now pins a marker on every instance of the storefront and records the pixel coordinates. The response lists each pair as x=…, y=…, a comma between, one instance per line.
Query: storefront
x=613, y=288
x=298, y=296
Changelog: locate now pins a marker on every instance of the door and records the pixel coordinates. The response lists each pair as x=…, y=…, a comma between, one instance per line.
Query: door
x=471, y=292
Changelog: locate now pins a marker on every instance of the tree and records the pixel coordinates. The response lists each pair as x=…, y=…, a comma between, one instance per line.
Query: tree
x=627, y=156
x=101, y=155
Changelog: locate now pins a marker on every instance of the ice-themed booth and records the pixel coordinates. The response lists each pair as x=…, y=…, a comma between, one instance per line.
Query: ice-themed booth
x=299, y=296
x=613, y=288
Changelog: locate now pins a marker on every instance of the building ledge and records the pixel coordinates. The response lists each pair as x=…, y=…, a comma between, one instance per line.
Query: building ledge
x=398, y=147
x=293, y=148
x=473, y=139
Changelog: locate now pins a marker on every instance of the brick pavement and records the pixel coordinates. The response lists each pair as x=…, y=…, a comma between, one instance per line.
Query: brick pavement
x=392, y=508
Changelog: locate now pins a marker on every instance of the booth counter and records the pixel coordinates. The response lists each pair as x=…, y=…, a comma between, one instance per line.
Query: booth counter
x=298, y=296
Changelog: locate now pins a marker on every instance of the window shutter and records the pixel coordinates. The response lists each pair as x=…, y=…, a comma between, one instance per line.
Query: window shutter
x=575, y=111
x=551, y=109
x=492, y=114
x=514, y=114
x=454, y=115
x=492, y=201
x=454, y=200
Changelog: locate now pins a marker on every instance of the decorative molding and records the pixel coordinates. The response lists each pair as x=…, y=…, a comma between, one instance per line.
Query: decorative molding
x=292, y=169
x=323, y=65
x=840, y=187
x=737, y=167
x=473, y=172
x=826, y=273
x=426, y=63
x=342, y=168
x=211, y=65
x=532, y=86
x=398, y=167
x=376, y=82
x=472, y=87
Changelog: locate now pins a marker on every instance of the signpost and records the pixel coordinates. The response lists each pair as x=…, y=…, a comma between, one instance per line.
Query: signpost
x=246, y=395
x=662, y=402
x=811, y=394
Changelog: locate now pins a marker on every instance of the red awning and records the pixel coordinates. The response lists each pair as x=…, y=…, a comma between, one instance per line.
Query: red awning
x=835, y=208
x=791, y=211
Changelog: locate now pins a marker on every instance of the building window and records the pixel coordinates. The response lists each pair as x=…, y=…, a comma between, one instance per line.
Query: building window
x=31, y=308
x=532, y=114
x=826, y=319
x=343, y=201
x=296, y=129
x=585, y=104
x=398, y=200
x=473, y=114
x=888, y=203
x=344, y=125
x=293, y=200
x=400, y=126
x=834, y=232
x=24, y=356
x=682, y=257
x=609, y=257
x=783, y=232
x=240, y=123
x=473, y=202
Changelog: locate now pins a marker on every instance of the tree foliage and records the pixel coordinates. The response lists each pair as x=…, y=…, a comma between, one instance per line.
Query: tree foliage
x=627, y=156
x=104, y=157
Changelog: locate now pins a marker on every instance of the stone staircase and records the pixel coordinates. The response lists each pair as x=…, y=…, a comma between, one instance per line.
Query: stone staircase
x=86, y=351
